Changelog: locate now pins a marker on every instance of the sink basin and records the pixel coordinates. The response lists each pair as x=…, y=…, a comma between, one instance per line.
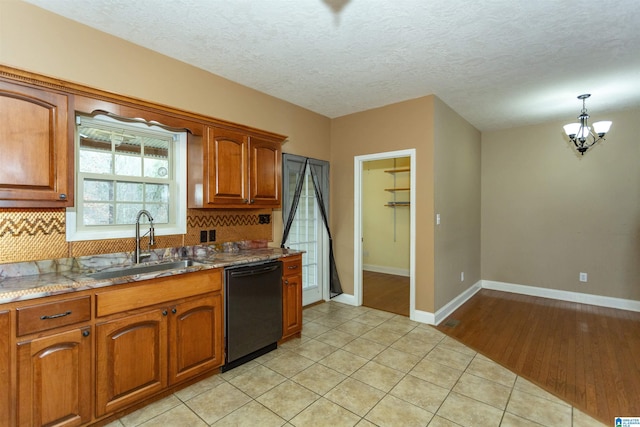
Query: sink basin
x=140, y=269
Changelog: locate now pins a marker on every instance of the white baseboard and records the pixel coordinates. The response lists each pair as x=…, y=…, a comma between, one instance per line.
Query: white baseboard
x=345, y=299
x=424, y=317
x=386, y=270
x=599, y=300
x=453, y=305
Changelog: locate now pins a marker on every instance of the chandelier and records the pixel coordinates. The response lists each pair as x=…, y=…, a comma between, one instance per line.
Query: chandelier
x=581, y=134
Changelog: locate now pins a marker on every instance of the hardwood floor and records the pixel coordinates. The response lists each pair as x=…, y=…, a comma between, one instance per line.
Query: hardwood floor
x=385, y=292
x=587, y=355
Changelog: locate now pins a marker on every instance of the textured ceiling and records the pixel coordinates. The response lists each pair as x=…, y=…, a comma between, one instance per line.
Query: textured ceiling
x=498, y=63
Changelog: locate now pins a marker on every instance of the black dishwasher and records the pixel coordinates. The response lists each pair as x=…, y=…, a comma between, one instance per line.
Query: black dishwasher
x=253, y=311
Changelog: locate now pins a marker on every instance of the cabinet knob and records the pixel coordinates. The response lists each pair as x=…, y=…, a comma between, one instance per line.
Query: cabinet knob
x=86, y=333
x=251, y=201
x=174, y=310
x=63, y=196
x=246, y=200
x=165, y=312
x=286, y=281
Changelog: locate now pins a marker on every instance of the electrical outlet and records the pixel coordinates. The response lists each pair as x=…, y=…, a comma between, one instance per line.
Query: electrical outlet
x=203, y=236
x=583, y=277
x=212, y=235
x=264, y=219
x=462, y=276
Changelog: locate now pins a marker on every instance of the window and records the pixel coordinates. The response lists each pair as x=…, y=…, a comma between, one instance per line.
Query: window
x=121, y=168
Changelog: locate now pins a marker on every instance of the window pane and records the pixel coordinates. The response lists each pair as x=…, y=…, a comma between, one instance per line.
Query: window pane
x=156, y=193
x=159, y=212
x=97, y=214
x=156, y=168
x=126, y=213
x=129, y=146
x=96, y=190
x=128, y=165
x=129, y=191
x=95, y=162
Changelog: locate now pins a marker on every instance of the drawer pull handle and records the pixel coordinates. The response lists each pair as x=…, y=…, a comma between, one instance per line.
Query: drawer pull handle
x=292, y=267
x=55, y=316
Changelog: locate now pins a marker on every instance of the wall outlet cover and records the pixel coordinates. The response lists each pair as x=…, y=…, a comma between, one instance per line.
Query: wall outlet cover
x=212, y=235
x=203, y=236
x=264, y=219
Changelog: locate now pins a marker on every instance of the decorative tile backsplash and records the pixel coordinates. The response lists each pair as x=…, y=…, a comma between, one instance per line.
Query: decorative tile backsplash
x=37, y=234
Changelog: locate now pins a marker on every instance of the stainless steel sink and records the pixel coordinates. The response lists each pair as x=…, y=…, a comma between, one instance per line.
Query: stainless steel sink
x=140, y=269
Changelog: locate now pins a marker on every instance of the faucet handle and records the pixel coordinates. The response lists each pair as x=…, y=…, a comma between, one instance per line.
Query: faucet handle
x=152, y=235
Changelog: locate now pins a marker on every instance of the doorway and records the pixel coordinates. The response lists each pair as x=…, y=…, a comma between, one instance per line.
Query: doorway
x=400, y=205
x=307, y=232
x=385, y=235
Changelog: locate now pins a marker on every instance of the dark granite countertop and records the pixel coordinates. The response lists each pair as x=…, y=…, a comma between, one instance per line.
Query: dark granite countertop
x=29, y=280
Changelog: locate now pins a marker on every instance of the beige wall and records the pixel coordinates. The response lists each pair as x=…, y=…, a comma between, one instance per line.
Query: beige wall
x=549, y=214
x=394, y=127
x=35, y=40
x=385, y=230
x=457, y=200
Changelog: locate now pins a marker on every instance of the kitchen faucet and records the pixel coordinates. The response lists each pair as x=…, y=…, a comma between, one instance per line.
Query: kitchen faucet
x=151, y=232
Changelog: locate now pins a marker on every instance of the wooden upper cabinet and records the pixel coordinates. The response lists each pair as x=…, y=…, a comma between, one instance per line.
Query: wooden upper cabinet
x=264, y=173
x=36, y=147
x=234, y=169
x=226, y=157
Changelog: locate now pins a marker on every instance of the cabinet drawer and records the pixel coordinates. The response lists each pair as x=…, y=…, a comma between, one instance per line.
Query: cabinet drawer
x=158, y=291
x=41, y=317
x=292, y=266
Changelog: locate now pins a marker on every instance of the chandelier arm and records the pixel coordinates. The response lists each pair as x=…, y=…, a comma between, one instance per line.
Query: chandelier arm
x=585, y=137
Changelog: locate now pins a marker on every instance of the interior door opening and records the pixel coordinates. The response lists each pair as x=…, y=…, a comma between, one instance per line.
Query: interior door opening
x=400, y=195
x=385, y=234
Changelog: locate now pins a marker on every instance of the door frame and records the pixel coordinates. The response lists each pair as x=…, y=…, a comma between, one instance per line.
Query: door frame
x=357, y=223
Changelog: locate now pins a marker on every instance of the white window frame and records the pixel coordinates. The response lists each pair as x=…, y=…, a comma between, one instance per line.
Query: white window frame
x=177, y=197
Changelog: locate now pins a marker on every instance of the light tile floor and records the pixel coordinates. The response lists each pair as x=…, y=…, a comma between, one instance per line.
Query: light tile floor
x=364, y=367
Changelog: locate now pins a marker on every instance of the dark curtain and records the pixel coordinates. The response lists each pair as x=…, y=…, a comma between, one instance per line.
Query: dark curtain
x=320, y=178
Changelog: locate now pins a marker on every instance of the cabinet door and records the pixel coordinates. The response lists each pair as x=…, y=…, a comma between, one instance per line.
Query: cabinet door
x=131, y=364
x=264, y=173
x=54, y=380
x=36, y=148
x=5, y=368
x=226, y=171
x=291, y=305
x=195, y=331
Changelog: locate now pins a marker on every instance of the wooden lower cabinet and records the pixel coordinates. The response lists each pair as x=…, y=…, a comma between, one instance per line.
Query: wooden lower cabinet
x=54, y=380
x=195, y=337
x=291, y=296
x=141, y=354
x=131, y=360
x=5, y=367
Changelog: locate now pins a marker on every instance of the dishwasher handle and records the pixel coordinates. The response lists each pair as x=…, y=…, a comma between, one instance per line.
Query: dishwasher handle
x=254, y=271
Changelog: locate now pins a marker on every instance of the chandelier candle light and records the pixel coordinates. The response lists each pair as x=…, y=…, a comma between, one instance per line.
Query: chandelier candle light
x=580, y=133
